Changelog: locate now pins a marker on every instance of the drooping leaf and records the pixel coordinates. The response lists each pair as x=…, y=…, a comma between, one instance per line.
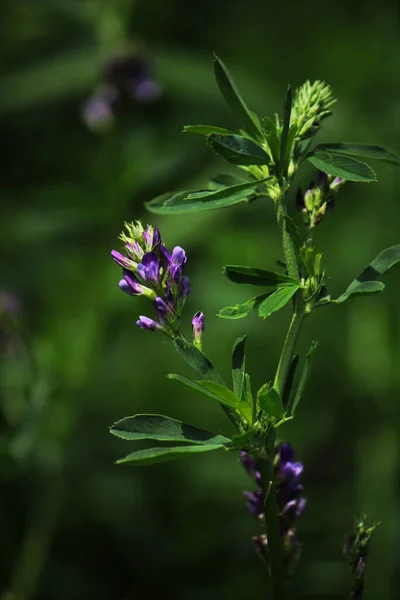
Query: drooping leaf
x=238, y=366
x=178, y=203
x=360, y=289
x=224, y=180
x=270, y=401
x=287, y=110
x=277, y=300
x=158, y=427
x=204, y=387
x=151, y=456
x=206, y=129
x=237, y=150
x=238, y=311
x=198, y=361
x=240, y=189
x=303, y=379
x=233, y=98
x=250, y=275
x=367, y=282
x=363, y=150
x=342, y=165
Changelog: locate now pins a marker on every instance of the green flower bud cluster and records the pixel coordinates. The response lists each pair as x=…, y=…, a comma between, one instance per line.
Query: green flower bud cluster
x=312, y=103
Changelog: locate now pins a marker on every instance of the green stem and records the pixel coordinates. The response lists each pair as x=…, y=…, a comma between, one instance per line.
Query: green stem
x=288, y=350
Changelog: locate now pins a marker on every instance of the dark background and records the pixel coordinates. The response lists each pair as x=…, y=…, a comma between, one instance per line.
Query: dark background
x=73, y=524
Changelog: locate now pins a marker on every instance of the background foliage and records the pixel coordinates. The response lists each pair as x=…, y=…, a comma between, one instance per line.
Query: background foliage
x=72, y=523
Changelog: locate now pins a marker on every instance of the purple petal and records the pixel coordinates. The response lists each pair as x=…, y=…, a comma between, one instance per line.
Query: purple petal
x=198, y=323
x=185, y=287
x=178, y=256
x=249, y=463
x=156, y=237
x=121, y=260
x=151, y=265
x=133, y=283
x=125, y=287
x=146, y=323
x=286, y=453
x=161, y=306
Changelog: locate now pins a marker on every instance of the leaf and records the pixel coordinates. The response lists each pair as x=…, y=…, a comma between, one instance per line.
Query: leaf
x=359, y=289
x=241, y=189
x=151, y=456
x=223, y=180
x=287, y=110
x=203, y=387
x=238, y=366
x=198, y=361
x=268, y=125
x=270, y=401
x=238, y=311
x=206, y=129
x=363, y=150
x=178, y=203
x=250, y=275
x=277, y=300
x=237, y=150
x=366, y=281
x=341, y=165
x=303, y=379
x=158, y=427
x=233, y=98
x=248, y=396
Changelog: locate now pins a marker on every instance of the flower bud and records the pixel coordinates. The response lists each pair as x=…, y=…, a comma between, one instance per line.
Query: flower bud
x=198, y=329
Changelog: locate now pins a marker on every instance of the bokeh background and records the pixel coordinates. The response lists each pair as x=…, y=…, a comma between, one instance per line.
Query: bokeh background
x=73, y=524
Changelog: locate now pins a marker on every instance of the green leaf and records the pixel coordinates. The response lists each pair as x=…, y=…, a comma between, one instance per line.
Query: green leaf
x=277, y=300
x=206, y=129
x=157, y=455
x=250, y=275
x=198, y=361
x=341, y=165
x=223, y=180
x=270, y=401
x=287, y=110
x=205, y=388
x=359, y=289
x=363, y=150
x=178, y=203
x=303, y=379
x=233, y=98
x=367, y=282
x=238, y=311
x=237, y=150
x=289, y=381
x=241, y=189
x=158, y=427
x=268, y=125
x=238, y=366
x=248, y=396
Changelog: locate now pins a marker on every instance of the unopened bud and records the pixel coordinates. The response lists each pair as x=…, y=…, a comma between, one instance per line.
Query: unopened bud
x=198, y=329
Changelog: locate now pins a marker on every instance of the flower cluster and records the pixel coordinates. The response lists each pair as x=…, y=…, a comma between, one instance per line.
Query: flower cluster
x=312, y=104
x=318, y=198
x=290, y=505
x=150, y=270
x=125, y=78
x=356, y=546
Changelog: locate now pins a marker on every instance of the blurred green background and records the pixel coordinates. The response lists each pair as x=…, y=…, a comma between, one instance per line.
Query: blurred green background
x=72, y=524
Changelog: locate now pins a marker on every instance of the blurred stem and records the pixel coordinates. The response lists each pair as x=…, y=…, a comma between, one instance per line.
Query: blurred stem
x=34, y=549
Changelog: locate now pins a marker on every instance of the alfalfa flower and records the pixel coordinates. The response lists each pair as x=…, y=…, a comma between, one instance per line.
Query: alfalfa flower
x=149, y=269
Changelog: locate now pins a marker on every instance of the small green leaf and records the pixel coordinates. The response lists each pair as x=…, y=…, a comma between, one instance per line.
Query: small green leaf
x=231, y=192
x=359, y=289
x=223, y=180
x=277, y=300
x=342, y=165
x=304, y=378
x=178, y=203
x=238, y=311
x=289, y=381
x=250, y=275
x=158, y=427
x=367, y=282
x=233, y=98
x=287, y=110
x=237, y=150
x=157, y=455
x=248, y=396
x=238, y=366
x=198, y=361
x=206, y=129
x=270, y=401
x=205, y=388
x=363, y=150
x=268, y=125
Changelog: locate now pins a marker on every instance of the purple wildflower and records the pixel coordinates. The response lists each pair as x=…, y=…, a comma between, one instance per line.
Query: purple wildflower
x=97, y=112
x=149, y=324
x=132, y=76
x=290, y=504
x=198, y=329
x=150, y=270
